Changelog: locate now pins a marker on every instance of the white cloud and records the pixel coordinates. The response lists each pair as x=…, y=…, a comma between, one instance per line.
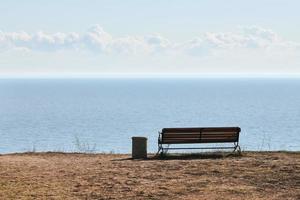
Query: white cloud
x=128, y=45
x=157, y=43
x=98, y=41
x=95, y=39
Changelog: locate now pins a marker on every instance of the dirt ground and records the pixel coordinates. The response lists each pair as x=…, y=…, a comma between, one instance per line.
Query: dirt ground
x=272, y=175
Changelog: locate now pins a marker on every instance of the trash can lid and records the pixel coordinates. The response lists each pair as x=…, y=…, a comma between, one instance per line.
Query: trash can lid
x=138, y=137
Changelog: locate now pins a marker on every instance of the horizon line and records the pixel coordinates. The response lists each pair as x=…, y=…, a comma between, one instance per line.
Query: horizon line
x=149, y=75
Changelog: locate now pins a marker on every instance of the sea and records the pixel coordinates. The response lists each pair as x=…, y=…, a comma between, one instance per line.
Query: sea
x=102, y=115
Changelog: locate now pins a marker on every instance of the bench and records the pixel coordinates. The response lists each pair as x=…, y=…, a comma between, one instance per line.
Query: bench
x=170, y=136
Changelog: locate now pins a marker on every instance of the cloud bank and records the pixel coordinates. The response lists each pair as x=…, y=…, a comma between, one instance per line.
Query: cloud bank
x=244, y=50
x=96, y=40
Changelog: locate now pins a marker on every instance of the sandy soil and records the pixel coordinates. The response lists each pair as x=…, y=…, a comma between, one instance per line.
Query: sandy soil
x=105, y=176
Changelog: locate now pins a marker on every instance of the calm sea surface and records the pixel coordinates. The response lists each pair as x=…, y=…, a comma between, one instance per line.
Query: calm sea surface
x=103, y=114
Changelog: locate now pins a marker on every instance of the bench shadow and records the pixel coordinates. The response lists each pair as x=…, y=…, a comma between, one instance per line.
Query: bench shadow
x=193, y=156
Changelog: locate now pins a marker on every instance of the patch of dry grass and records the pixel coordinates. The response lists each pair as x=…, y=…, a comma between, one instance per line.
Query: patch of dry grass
x=274, y=175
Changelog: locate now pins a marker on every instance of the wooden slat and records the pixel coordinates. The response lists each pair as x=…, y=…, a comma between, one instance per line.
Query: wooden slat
x=196, y=141
x=198, y=135
x=200, y=139
x=222, y=133
x=208, y=133
x=221, y=129
x=211, y=136
x=195, y=133
x=198, y=129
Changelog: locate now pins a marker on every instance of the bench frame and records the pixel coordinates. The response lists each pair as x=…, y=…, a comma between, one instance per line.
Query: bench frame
x=164, y=149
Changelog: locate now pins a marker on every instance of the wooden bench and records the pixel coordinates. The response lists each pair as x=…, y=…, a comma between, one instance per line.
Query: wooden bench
x=170, y=136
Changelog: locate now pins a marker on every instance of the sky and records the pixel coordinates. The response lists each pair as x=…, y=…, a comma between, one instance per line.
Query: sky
x=145, y=37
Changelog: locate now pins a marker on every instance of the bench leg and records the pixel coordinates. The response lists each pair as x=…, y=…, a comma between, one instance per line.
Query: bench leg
x=165, y=150
x=160, y=149
x=162, y=152
x=237, y=149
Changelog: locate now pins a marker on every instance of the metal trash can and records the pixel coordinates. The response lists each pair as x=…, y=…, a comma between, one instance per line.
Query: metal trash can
x=139, y=147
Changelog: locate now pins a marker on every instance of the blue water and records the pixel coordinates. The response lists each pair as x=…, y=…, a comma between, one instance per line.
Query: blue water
x=103, y=114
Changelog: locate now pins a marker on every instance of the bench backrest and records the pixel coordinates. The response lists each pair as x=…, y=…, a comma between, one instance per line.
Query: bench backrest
x=200, y=135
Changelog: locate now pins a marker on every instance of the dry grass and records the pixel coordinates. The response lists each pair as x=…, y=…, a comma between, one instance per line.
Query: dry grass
x=273, y=175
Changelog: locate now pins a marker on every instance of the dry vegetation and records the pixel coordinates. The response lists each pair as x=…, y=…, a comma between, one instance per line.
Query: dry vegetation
x=104, y=176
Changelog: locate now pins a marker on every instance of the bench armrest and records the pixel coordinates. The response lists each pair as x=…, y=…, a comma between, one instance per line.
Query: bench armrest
x=159, y=136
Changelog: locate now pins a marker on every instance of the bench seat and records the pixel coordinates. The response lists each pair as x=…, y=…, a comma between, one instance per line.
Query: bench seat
x=195, y=135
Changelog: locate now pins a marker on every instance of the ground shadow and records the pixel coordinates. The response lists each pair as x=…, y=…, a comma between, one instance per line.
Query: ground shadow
x=194, y=156
x=185, y=156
